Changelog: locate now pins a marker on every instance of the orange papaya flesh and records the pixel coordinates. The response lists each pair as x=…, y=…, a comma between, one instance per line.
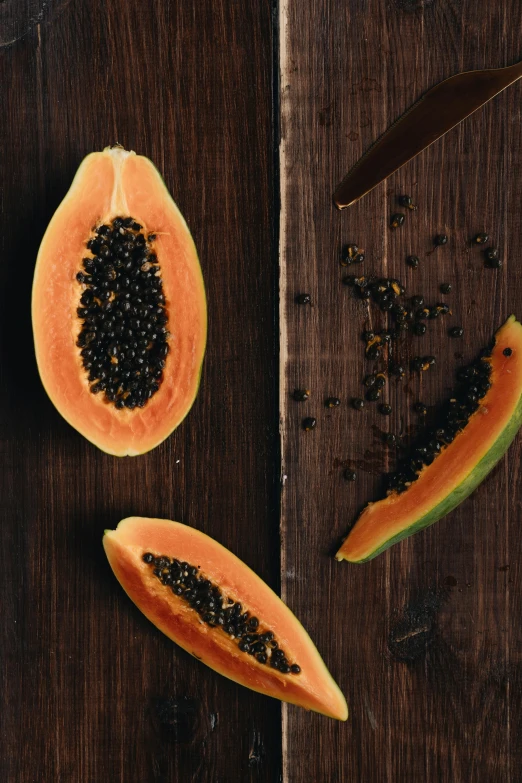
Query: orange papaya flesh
x=311, y=687
x=461, y=465
x=109, y=184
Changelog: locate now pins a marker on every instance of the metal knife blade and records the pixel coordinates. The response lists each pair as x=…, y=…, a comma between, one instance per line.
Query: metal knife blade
x=433, y=115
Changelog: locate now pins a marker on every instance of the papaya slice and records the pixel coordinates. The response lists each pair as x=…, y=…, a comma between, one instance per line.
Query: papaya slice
x=478, y=424
x=210, y=603
x=118, y=306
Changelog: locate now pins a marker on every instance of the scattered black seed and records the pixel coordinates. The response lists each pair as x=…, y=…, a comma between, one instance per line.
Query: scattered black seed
x=419, y=328
x=309, y=423
x=358, y=403
x=407, y=201
x=303, y=299
x=417, y=301
x=301, y=395
x=390, y=439
x=373, y=394
x=456, y=331
x=380, y=381
x=373, y=351
x=480, y=239
x=445, y=288
x=350, y=475
x=440, y=239
x=507, y=351
x=115, y=284
x=412, y=261
x=396, y=220
x=396, y=369
x=358, y=259
x=491, y=258
x=369, y=380
x=332, y=402
x=442, y=308
x=367, y=336
x=420, y=408
x=205, y=598
x=385, y=409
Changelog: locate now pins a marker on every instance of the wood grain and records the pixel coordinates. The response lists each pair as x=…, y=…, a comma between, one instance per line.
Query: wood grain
x=91, y=691
x=425, y=640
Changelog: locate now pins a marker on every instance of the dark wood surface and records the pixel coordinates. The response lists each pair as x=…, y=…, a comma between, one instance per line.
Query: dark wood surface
x=91, y=691
x=425, y=640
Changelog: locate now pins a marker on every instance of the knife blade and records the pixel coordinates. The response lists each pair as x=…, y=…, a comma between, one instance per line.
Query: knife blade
x=433, y=115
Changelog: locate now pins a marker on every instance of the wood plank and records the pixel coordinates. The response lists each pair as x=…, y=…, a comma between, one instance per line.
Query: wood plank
x=446, y=708
x=90, y=690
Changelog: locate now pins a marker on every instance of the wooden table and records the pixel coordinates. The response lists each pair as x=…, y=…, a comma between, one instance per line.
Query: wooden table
x=253, y=111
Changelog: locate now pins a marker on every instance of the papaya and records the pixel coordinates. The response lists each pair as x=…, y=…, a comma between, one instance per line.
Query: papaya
x=474, y=429
x=213, y=606
x=118, y=306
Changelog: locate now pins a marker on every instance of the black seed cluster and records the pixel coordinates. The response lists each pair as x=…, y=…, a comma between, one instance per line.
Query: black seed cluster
x=123, y=338
x=388, y=295
x=215, y=610
x=454, y=414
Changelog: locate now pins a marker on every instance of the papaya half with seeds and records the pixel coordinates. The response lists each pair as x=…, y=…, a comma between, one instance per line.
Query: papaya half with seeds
x=118, y=306
x=476, y=427
x=210, y=603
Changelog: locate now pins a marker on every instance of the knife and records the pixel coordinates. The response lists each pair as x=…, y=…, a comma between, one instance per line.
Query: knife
x=433, y=115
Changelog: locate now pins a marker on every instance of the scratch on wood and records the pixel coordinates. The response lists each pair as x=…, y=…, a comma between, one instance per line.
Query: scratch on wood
x=257, y=749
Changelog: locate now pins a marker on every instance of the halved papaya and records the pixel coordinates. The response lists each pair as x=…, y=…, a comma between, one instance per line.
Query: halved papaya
x=474, y=430
x=210, y=603
x=119, y=310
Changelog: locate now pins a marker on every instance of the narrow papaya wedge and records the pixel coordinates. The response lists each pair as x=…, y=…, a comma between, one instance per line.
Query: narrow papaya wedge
x=478, y=425
x=212, y=605
x=118, y=306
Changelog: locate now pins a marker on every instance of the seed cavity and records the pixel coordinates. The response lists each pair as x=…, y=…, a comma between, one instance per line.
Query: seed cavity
x=453, y=416
x=123, y=337
x=224, y=614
